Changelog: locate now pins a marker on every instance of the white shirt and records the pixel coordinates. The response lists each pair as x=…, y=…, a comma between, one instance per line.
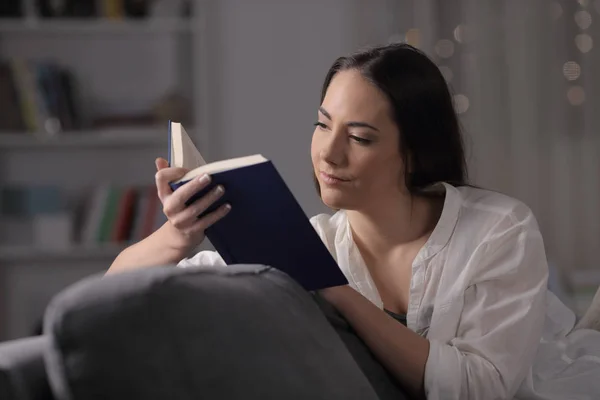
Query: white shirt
x=479, y=294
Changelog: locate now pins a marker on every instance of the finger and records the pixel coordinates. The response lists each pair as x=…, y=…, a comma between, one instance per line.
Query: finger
x=163, y=177
x=202, y=204
x=161, y=163
x=210, y=219
x=189, y=189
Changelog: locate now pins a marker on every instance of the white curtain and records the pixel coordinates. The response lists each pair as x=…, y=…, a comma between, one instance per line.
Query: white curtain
x=525, y=78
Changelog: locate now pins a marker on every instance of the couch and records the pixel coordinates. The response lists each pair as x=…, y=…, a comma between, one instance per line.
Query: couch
x=241, y=332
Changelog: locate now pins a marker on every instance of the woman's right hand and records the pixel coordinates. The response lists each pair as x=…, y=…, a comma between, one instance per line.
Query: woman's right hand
x=186, y=230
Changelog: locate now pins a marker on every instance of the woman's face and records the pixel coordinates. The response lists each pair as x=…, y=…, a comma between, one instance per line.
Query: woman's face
x=354, y=149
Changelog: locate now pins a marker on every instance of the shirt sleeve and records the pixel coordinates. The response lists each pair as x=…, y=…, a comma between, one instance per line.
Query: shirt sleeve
x=501, y=322
x=204, y=258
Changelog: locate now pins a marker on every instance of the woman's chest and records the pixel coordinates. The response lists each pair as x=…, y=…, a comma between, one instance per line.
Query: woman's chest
x=392, y=278
x=423, y=289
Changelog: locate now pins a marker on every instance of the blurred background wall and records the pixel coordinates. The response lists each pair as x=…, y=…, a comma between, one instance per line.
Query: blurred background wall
x=86, y=88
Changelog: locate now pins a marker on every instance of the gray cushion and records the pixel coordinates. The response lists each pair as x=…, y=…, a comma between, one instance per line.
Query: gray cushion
x=22, y=373
x=237, y=332
x=384, y=384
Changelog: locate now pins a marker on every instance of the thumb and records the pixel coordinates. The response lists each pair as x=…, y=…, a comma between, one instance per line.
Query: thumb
x=161, y=163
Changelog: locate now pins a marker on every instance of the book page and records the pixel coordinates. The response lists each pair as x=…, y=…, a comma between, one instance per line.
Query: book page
x=224, y=165
x=183, y=151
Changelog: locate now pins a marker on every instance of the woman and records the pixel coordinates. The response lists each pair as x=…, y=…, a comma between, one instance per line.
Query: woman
x=462, y=269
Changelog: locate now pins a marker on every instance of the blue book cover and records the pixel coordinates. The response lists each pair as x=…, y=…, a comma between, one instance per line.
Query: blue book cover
x=266, y=224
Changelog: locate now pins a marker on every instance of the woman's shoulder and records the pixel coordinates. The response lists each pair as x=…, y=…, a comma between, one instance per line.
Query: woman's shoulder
x=495, y=236
x=492, y=208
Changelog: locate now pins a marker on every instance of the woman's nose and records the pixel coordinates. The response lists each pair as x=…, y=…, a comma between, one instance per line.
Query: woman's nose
x=334, y=151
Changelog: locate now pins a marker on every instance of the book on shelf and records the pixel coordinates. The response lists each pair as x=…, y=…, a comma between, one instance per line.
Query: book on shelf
x=40, y=212
x=94, y=9
x=266, y=224
x=108, y=9
x=37, y=97
x=119, y=214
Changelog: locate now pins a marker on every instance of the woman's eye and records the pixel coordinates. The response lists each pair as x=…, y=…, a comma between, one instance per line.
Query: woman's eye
x=360, y=140
x=320, y=125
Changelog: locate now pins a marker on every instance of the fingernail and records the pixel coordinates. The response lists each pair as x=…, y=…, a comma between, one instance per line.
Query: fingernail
x=219, y=189
x=204, y=179
x=227, y=207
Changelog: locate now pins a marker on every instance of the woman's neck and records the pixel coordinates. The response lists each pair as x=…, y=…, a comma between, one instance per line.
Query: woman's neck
x=395, y=221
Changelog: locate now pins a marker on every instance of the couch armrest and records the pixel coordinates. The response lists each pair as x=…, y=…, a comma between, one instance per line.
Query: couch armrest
x=236, y=332
x=22, y=371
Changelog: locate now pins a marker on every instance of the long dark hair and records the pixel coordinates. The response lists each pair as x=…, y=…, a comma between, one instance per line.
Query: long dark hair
x=431, y=143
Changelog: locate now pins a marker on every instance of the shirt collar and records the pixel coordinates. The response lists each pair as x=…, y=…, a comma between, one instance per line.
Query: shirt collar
x=443, y=230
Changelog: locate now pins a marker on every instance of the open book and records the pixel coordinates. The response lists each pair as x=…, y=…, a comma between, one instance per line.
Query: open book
x=266, y=225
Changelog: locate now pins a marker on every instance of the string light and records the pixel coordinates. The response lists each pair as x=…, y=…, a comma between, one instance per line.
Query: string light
x=413, y=37
x=444, y=48
x=571, y=70
x=583, y=19
x=461, y=103
x=463, y=34
x=584, y=42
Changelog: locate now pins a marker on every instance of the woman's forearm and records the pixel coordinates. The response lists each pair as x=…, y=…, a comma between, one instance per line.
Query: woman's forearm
x=155, y=250
x=403, y=352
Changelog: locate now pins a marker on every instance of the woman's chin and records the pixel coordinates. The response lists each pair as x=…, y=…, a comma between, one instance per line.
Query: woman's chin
x=336, y=201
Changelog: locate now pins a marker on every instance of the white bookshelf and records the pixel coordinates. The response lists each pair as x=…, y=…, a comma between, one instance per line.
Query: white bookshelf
x=86, y=138
x=122, y=66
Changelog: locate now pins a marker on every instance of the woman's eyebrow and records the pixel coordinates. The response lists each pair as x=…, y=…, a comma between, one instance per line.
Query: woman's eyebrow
x=361, y=125
x=325, y=113
x=355, y=124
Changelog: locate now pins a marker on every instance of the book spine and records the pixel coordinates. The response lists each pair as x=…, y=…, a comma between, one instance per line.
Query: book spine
x=141, y=204
x=71, y=98
x=113, y=9
x=122, y=225
x=44, y=119
x=11, y=116
x=95, y=214
x=51, y=122
x=108, y=218
x=26, y=94
x=170, y=142
x=59, y=81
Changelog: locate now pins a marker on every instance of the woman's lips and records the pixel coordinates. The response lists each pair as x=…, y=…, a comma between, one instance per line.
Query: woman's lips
x=332, y=179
